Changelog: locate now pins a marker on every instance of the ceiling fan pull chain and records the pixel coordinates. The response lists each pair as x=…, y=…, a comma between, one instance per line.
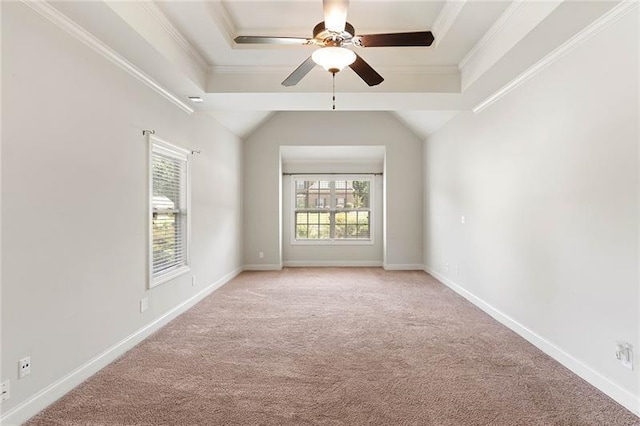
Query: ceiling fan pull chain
x=334, y=91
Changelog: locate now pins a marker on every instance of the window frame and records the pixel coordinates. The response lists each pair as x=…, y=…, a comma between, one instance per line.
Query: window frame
x=332, y=241
x=171, y=150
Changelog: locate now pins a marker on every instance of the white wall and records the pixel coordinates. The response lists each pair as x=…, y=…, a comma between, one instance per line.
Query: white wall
x=74, y=204
x=547, y=179
x=402, y=182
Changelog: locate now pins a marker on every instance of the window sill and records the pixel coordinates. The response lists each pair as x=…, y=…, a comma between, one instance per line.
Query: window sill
x=168, y=276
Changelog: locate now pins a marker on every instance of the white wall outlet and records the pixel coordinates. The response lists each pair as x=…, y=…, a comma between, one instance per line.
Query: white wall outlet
x=24, y=367
x=193, y=281
x=261, y=255
x=144, y=304
x=463, y=220
x=624, y=354
x=5, y=391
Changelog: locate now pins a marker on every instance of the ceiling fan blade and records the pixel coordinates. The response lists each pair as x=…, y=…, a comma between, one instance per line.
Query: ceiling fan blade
x=299, y=72
x=418, y=38
x=270, y=40
x=366, y=72
x=335, y=14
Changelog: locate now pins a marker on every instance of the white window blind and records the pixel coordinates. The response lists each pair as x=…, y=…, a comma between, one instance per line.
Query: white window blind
x=169, y=202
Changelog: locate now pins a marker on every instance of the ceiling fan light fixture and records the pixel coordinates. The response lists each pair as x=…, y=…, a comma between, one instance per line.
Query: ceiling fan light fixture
x=333, y=59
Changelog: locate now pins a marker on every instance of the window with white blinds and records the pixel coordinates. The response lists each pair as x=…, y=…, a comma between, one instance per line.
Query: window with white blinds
x=169, y=211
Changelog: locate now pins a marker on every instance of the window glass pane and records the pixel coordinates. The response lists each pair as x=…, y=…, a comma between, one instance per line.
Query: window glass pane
x=324, y=232
x=302, y=193
x=361, y=193
x=314, y=188
x=319, y=194
x=313, y=232
x=167, y=182
x=165, y=241
x=324, y=218
x=363, y=225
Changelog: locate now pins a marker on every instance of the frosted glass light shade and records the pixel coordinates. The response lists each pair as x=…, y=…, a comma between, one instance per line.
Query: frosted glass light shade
x=333, y=59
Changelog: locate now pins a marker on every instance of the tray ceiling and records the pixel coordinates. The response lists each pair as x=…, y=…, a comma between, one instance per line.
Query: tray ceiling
x=187, y=48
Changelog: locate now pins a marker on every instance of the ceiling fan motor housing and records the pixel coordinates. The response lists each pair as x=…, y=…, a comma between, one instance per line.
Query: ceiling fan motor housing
x=332, y=38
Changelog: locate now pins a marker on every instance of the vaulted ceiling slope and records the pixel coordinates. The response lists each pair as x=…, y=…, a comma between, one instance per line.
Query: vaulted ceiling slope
x=186, y=49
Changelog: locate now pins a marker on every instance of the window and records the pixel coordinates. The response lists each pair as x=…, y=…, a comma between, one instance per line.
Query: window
x=332, y=209
x=169, y=211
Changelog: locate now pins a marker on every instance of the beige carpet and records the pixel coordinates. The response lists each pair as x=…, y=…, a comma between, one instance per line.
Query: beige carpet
x=335, y=347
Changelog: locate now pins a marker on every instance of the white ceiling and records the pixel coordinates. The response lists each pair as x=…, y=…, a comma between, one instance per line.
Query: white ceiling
x=187, y=48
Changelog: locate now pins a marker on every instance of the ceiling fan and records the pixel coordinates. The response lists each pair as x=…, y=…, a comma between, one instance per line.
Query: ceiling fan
x=332, y=35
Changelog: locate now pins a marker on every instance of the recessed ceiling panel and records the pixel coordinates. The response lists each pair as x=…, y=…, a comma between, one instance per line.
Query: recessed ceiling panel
x=211, y=26
x=393, y=16
x=253, y=16
x=278, y=16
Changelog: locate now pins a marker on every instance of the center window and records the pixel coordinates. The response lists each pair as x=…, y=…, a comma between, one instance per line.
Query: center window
x=332, y=208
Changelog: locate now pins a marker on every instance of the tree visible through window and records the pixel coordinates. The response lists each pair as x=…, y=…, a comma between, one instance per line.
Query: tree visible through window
x=330, y=208
x=169, y=211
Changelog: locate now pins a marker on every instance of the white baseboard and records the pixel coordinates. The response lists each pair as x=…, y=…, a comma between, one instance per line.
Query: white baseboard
x=262, y=267
x=625, y=398
x=56, y=390
x=403, y=267
x=332, y=263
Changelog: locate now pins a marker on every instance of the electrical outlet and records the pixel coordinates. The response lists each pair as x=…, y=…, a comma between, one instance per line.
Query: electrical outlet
x=24, y=367
x=5, y=391
x=463, y=220
x=261, y=255
x=624, y=354
x=144, y=304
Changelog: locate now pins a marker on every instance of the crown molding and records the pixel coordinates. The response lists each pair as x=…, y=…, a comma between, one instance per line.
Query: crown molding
x=609, y=18
x=493, y=32
x=250, y=69
x=160, y=17
x=223, y=20
x=447, y=16
x=63, y=22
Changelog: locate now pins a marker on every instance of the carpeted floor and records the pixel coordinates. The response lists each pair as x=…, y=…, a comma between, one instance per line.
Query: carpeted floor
x=335, y=347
